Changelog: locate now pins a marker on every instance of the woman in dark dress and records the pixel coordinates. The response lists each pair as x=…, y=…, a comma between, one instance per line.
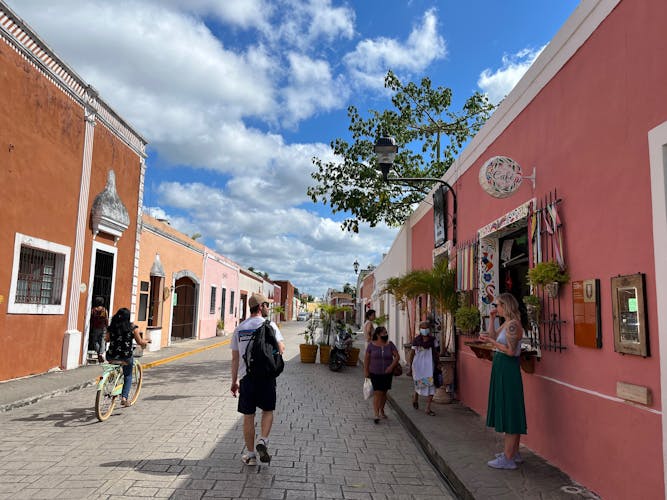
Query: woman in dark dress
x=121, y=332
x=379, y=363
x=506, y=411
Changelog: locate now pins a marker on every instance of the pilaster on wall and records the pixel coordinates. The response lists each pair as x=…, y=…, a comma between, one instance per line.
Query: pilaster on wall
x=82, y=217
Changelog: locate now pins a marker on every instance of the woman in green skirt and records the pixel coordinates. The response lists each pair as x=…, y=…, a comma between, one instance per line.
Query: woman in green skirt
x=506, y=411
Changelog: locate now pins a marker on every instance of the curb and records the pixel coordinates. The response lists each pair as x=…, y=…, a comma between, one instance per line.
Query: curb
x=88, y=383
x=433, y=456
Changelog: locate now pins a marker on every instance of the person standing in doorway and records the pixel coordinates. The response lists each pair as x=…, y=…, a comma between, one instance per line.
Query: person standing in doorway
x=254, y=393
x=99, y=321
x=506, y=410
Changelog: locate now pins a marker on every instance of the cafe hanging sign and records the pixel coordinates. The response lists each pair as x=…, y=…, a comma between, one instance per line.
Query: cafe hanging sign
x=500, y=176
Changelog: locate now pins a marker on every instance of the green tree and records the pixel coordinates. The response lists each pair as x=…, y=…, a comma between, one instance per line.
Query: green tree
x=349, y=289
x=421, y=118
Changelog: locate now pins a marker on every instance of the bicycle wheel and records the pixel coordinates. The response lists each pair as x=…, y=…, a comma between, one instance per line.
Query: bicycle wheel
x=105, y=401
x=137, y=379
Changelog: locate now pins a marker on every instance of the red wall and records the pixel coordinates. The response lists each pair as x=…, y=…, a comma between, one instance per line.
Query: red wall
x=422, y=242
x=586, y=134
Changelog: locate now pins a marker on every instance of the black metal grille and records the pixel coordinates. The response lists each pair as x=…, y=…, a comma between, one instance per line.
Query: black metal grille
x=104, y=262
x=40, y=277
x=548, y=335
x=467, y=284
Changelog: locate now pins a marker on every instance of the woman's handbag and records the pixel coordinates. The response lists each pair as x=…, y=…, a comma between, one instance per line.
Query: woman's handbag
x=368, y=388
x=398, y=370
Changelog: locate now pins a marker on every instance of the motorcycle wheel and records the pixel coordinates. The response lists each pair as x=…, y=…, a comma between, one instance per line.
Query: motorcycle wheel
x=335, y=364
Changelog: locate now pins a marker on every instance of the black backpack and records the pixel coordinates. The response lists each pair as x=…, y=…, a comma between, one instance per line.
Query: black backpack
x=262, y=356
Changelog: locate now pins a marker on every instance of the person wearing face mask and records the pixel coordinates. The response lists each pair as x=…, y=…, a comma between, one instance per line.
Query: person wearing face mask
x=380, y=360
x=424, y=363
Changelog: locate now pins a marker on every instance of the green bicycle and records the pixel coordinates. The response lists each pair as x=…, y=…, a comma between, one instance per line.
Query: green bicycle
x=110, y=385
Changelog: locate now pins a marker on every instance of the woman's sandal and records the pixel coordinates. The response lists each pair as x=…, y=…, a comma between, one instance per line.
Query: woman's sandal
x=430, y=413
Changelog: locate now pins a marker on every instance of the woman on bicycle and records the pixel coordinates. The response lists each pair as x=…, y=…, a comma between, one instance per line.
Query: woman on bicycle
x=121, y=332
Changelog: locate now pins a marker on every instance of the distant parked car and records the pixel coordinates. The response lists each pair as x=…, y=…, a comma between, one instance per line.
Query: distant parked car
x=302, y=316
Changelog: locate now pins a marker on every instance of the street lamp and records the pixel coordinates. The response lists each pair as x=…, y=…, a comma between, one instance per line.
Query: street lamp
x=386, y=149
x=356, y=266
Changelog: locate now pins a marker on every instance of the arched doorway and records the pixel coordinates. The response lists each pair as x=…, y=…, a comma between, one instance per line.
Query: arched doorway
x=184, y=309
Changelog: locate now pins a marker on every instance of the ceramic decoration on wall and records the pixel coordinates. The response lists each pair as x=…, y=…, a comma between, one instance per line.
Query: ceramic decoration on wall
x=500, y=176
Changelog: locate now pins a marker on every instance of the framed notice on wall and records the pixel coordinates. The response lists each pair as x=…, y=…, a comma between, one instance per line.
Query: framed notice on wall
x=628, y=304
x=586, y=309
x=440, y=216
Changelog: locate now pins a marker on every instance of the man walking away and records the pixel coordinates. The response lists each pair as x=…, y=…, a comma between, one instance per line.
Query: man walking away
x=253, y=392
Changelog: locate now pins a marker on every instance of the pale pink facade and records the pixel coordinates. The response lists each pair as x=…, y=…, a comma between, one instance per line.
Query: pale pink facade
x=221, y=282
x=591, y=117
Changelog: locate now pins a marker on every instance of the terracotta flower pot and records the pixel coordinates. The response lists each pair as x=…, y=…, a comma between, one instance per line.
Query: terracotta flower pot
x=354, y=357
x=325, y=350
x=308, y=352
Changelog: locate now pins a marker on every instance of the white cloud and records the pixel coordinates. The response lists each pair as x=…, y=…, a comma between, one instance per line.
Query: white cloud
x=288, y=243
x=497, y=84
x=312, y=88
x=371, y=59
x=204, y=104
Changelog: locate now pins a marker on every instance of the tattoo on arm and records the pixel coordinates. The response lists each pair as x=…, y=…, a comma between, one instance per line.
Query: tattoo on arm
x=514, y=334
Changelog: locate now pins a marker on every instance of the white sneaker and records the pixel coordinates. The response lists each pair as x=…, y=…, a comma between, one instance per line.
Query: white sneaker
x=249, y=459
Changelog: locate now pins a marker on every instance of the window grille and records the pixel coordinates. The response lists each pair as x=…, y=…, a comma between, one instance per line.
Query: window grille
x=40, y=277
x=155, y=302
x=231, y=303
x=223, y=293
x=213, y=293
x=143, y=301
x=467, y=284
x=547, y=333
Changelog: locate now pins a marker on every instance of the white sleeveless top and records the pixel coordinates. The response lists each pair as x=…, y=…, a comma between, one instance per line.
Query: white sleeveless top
x=502, y=339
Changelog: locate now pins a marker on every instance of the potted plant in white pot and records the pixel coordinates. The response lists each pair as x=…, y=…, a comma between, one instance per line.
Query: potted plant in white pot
x=548, y=275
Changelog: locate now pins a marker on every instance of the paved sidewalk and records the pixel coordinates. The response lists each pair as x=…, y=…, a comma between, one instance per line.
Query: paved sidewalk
x=459, y=444
x=28, y=390
x=456, y=440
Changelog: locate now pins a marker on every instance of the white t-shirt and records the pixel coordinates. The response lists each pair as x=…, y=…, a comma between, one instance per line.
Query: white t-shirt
x=242, y=335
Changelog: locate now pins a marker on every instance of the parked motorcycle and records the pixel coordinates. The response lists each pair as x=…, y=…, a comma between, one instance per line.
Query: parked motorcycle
x=341, y=350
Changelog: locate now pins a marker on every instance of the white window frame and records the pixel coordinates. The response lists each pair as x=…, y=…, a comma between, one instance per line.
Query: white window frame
x=47, y=246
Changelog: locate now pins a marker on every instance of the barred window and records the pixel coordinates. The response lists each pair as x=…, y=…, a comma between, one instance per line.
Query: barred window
x=213, y=294
x=155, y=301
x=39, y=276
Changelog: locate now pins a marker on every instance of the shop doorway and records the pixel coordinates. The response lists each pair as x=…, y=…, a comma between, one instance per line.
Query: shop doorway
x=184, y=309
x=512, y=278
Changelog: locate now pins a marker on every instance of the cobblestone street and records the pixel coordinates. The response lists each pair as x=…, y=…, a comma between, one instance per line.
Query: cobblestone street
x=183, y=439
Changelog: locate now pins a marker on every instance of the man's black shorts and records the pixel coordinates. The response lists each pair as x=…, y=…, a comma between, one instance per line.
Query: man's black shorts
x=255, y=394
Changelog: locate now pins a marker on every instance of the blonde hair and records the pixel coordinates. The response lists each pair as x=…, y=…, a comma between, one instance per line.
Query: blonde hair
x=510, y=306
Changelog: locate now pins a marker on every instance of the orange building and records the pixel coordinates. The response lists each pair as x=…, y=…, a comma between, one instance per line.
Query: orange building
x=71, y=183
x=185, y=289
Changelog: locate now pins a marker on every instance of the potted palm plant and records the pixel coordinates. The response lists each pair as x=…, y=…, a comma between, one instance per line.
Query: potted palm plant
x=308, y=349
x=548, y=275
x=220, y=328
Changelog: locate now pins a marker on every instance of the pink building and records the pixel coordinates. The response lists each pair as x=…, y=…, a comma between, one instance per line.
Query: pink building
x=590, y=116
x=221, y=282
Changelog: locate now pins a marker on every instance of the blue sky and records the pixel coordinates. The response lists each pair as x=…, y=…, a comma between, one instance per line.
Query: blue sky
x=236, y=96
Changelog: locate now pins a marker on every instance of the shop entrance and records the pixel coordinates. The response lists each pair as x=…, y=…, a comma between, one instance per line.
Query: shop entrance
x=513, y=249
